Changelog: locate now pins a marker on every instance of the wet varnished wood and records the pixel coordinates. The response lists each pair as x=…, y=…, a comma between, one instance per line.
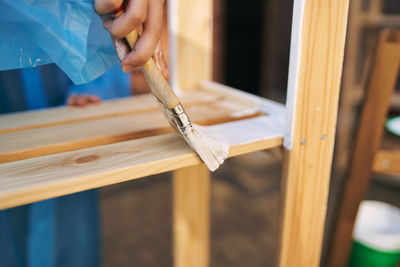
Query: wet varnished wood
x=142, y=122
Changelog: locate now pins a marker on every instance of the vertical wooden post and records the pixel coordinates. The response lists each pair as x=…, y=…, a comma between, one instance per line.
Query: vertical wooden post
x=191, y=216
x=349, y=81
x=307, y=166
x=191, y=61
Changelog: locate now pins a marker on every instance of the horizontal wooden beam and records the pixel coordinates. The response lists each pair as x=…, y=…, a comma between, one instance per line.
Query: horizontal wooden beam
x=143, y=121
x=380, y=20
x=96, y=162
x=118, y=107
x=387, y=162
x=30, y=180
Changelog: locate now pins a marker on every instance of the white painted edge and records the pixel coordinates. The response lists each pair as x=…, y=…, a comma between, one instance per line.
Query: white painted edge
x=264, y=105
x=254, y=129
x=173, y=28
x=248, y=131
x=294, y=71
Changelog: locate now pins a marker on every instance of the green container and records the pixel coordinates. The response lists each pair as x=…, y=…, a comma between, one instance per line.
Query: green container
x=365, y=256
x=376, y=236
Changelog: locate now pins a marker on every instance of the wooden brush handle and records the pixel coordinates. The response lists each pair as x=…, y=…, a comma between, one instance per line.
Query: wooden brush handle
x=158, y=84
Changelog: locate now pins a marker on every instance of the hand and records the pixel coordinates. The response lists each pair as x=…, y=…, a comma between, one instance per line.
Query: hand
x=76, y=100
x=148, y=13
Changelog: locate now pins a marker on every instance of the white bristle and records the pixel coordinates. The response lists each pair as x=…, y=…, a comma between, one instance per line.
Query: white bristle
x=212, y=147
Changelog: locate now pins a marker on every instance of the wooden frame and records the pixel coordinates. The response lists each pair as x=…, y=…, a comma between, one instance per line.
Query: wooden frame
x=354, y=83
x=307, y=166
x=68, y=164
x=366, y=155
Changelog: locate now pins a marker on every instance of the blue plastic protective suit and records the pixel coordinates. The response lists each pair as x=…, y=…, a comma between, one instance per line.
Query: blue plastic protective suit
x=65, y=32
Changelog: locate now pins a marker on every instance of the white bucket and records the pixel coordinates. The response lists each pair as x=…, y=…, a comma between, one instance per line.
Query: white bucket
x=378, y=226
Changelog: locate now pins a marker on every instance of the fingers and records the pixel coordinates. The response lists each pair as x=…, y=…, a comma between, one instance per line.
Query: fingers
x=76, y=100
x=106, y=6
x=71, y=100
x=147, y=42
x=94, y=99
x=133, y=16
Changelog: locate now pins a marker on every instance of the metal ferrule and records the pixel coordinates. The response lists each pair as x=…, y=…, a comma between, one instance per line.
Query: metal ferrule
x=181, y=119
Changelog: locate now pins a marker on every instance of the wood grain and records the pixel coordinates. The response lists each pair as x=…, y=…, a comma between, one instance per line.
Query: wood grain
x=118, y=107
x=159, y=85
x=30, y=180
x=43, y=177
x=36, y=142
x=63, y=115
x=368, y=140
x=307, y=166
x=192, y=37
x=192, y=216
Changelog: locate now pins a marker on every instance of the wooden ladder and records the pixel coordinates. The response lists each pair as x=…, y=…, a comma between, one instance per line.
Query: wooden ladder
x=367, y=156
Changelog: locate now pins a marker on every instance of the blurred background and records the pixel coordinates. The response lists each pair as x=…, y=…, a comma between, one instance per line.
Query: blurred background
x=251, y=53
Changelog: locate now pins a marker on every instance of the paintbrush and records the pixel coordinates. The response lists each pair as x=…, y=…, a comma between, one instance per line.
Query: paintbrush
x=212, y=148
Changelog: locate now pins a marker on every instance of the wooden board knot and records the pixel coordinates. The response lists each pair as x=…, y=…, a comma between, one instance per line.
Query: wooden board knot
x=86, y=159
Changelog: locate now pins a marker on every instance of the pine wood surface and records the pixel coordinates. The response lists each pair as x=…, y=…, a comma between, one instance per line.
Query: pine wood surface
x=39, y=178
x=117, y=148
x=307, y=167
x=117, y=107
x=191, y=23
x=89, y=133
x=192, y=216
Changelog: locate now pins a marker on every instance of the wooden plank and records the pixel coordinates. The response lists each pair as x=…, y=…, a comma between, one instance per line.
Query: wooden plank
x=62, y=115
x=30, y=180
x=72, y=136
x=347, y=108
x=381, y=20
x=191, y=35
x=368, y=139
x=192, y=216
x=387, y=162
x=375, y=7
x=307, y=166
x=118, y=107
